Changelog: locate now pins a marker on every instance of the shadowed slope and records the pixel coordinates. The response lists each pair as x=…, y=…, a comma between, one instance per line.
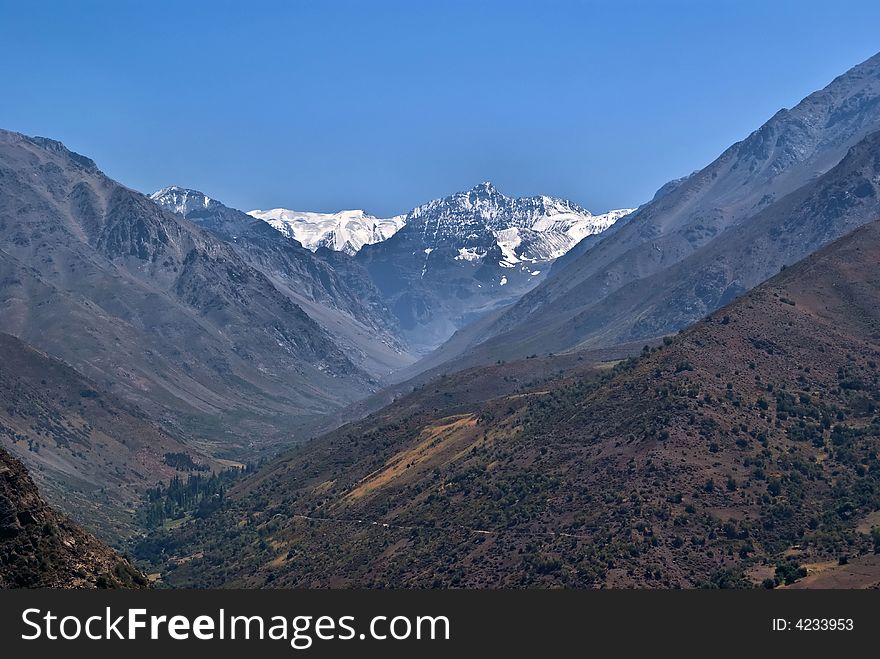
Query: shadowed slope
x=154, y=308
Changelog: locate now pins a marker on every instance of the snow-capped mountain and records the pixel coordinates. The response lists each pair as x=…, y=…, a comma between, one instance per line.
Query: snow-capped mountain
x=457, y=257
x=526, y=230
x=438, y=267
x=183, y=201
x=345, y=231
x=529, y=229
x=334, y=290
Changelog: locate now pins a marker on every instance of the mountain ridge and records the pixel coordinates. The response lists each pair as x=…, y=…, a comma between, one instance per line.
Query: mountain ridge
x=743, y=448
x=332, y=288
x=154, y=308
x=789, y=151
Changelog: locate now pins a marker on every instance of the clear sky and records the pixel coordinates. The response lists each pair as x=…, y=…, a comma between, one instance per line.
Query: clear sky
x=386, y=104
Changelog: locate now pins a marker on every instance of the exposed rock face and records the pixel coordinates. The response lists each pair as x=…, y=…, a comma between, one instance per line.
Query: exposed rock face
x=597, y=297
x=459, y=257
x=154, y=308
x=40, y=548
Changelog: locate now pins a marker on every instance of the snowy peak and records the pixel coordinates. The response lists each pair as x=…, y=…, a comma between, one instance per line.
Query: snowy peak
x=471, y=252
x=472, y=223
x=526, y=229
x=554, y=234
x=485, y=204
x=346, y=231
x=182, y=201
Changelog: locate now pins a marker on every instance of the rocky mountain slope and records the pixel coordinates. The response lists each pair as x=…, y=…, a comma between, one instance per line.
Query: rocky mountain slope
x=334, y=290
x=800, y=223
x=345, y=231
x=459, y=257
x=846, y=197
x=41, y=549
x=744, y=451
x=602, y=279
x=92, y=454
x=155, y=309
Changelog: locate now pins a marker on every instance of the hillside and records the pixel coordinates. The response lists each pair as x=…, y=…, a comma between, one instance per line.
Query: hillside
x=156, y=310
x=41, y=549
x=92, y=454
x=334, y=290
x=600, y=292
x=743, y=450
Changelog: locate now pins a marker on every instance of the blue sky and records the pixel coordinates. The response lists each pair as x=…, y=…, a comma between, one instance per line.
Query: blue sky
x=384, y=104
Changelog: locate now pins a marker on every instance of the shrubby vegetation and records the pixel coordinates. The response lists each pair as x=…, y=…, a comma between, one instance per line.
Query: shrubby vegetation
x=692, y=464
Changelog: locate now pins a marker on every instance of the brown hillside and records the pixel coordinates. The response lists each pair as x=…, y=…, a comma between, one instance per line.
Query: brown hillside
x=41, y=549
x=92, y=454
x=750, y=440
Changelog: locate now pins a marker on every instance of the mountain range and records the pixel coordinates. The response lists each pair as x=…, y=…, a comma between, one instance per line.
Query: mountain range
x=730, y=455
x=415, y=278
x=597, y=295
x=508, y=392
x=462, y=256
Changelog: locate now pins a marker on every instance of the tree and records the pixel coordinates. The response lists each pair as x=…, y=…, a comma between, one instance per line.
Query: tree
x=788, y=572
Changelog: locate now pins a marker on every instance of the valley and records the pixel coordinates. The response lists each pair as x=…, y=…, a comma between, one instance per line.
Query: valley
x=92, y=455
x=747, y=440
x=483, y=391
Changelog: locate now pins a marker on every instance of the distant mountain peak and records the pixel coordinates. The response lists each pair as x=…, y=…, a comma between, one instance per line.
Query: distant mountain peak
x=485, y=205
x=467, y=253
x=175, y=189
x=181, y=200
x=486, y=187
x=343, y=231
x=53, y=146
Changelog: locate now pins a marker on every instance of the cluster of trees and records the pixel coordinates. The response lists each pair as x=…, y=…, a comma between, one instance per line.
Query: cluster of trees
x=183, y=462
x=197, y=496
x=787, y=572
